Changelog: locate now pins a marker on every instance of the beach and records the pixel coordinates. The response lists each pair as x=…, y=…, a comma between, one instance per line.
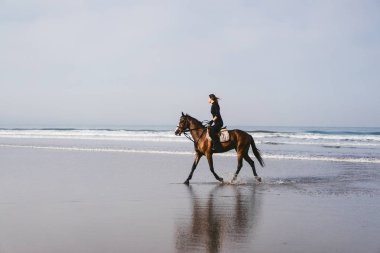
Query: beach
x=103, y=105
x=96, y=195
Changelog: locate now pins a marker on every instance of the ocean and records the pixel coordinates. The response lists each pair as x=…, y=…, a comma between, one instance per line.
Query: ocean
x=335, y=144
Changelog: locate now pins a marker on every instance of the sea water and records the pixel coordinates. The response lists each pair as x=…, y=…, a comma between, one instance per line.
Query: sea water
x=335, y=144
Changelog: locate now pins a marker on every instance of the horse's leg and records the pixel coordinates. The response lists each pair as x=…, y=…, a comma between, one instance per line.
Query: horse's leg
x=196, y=161
x=211, y=164
x=239, y=166
x=252, y=163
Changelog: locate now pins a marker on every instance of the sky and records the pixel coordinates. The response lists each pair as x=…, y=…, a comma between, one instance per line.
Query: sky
x=272, y=63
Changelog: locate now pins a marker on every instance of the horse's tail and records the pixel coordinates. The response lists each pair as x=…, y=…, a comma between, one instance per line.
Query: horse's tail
x=256, y=152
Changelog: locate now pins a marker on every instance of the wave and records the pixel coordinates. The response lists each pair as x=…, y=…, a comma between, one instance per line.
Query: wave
x=324, y=144
x=323, y=158
x=315, y=136
x=263, y=131
x=108, y=150
x=273, y=143
x=261, y=136
x=86, y=129
x=119, y=135
x=229, y=154
x=164, y=129
x=328, y=146
x=344, y=132
x=34, y=129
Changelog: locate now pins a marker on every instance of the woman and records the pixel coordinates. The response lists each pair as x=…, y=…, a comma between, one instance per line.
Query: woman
x=217, y=120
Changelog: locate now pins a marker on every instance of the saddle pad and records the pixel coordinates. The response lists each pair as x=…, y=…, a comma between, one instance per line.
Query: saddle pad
x=224, y=135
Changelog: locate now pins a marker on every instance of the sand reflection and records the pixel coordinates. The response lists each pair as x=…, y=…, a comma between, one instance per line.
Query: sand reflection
x=221, y=216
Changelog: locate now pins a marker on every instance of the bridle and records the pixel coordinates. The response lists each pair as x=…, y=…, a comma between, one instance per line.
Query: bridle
x=186, y=131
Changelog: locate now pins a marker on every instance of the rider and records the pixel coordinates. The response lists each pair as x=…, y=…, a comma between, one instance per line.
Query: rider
x=217, y=120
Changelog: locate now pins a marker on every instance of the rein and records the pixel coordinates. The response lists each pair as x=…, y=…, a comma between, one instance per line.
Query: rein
x=185, y=133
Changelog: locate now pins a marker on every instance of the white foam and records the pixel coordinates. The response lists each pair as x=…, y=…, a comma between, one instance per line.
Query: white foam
x=228, y=154
x=111, y=150
x=228, y=179
x=322, y=158
x=120, y=135
x=168, y=136
x=329, y=144
x=318, y=136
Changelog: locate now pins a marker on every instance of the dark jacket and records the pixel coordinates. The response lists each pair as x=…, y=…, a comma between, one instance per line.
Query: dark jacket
x=215, y=111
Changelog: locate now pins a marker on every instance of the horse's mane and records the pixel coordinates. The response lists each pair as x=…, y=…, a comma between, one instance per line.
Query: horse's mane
x=194, y=119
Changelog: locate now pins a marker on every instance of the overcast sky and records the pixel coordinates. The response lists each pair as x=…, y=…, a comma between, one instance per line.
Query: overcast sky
x=292, y=63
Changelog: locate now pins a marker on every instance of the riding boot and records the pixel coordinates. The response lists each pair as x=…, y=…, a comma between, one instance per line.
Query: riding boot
x=216, y=146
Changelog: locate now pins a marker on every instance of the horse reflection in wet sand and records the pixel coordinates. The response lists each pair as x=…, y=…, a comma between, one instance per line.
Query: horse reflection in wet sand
x=239, y=140
x=218, y=220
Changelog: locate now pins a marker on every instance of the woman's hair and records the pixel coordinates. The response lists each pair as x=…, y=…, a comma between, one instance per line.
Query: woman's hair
x=214, y=98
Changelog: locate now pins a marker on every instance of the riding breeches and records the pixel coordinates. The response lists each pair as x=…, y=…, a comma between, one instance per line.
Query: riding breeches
x=215, y=129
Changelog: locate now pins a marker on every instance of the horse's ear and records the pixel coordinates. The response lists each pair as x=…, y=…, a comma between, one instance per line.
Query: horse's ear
x=183, y=114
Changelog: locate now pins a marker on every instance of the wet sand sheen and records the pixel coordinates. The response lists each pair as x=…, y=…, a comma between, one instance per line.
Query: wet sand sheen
x=72, y=201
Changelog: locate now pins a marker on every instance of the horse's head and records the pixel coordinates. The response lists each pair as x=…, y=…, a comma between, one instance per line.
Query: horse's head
x=182, y=125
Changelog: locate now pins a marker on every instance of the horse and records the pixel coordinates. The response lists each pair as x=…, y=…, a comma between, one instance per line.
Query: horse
x=239, y=140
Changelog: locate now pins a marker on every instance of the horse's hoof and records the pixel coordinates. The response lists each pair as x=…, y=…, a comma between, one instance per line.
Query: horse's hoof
x=220, y=179
x=186, y=182
x=258, y=179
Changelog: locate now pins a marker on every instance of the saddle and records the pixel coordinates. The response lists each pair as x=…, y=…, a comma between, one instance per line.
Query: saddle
x=223, y=134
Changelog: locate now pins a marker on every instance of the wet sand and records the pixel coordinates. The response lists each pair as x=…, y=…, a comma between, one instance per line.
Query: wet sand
x=77, y=201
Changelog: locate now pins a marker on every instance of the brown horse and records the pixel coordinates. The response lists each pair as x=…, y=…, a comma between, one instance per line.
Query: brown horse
x=239, y=140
